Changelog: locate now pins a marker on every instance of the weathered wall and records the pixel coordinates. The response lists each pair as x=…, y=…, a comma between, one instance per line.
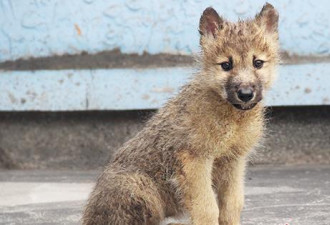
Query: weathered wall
x=127, y=89
x=44, y=28
x=35, y=28
x=86, y=140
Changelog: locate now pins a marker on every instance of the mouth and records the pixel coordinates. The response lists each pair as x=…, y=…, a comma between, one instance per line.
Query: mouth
x=244, y=107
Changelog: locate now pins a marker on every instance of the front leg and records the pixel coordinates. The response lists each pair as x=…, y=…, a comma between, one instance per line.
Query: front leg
x=195, y=183
x=228, y=180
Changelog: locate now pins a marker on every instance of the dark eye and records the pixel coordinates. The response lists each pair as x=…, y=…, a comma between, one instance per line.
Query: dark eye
x=226, y=66
x=258, y=63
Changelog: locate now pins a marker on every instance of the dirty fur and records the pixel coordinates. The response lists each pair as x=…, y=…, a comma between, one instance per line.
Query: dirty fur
x=191, y=155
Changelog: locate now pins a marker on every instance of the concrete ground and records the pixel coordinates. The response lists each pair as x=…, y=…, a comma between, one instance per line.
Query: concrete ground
x=292, y=195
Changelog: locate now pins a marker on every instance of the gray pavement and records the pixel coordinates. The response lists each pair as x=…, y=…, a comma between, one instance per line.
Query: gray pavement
x=280, y=195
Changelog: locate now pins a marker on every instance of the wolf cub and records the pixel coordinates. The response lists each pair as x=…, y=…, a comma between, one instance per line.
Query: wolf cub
x=190, y=157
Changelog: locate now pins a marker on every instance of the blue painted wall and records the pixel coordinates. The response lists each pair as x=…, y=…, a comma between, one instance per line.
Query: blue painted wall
x=48, y=27
x=126, y=89
x=34, y=28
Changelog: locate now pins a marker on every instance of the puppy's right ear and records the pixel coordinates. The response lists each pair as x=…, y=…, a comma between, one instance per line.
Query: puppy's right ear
x=210, y=22
x=268, y=18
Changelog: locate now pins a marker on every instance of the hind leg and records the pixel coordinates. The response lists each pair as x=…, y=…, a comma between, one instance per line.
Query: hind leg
x=122, y=199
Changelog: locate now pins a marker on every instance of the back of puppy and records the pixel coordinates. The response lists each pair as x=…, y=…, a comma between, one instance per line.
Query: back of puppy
x=198, y=143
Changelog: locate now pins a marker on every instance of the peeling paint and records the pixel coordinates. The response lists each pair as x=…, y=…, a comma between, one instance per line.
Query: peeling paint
x=154, y=101
x=12, y=98
x=163, y=90
x=146, y=97
x=78, y=30
x=308, y=90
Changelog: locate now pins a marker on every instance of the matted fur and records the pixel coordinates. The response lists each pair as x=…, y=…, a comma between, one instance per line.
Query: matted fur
x=197, y=144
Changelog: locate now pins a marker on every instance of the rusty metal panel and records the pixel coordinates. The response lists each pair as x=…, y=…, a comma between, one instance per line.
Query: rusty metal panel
x=128, y=89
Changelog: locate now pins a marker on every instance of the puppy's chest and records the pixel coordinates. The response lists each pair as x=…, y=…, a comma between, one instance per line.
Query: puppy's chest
x=237, y=137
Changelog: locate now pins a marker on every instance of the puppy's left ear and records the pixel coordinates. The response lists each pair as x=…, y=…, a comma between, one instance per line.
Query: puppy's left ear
x=268, y=18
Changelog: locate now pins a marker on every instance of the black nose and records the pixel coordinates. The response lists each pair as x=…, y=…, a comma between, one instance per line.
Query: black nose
x=245, y=94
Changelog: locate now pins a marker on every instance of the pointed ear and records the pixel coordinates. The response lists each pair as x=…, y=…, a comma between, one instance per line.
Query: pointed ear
x=210, y=22
x=268, y=18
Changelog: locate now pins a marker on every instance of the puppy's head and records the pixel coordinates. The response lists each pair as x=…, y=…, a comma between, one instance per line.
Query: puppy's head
x=239, y=59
